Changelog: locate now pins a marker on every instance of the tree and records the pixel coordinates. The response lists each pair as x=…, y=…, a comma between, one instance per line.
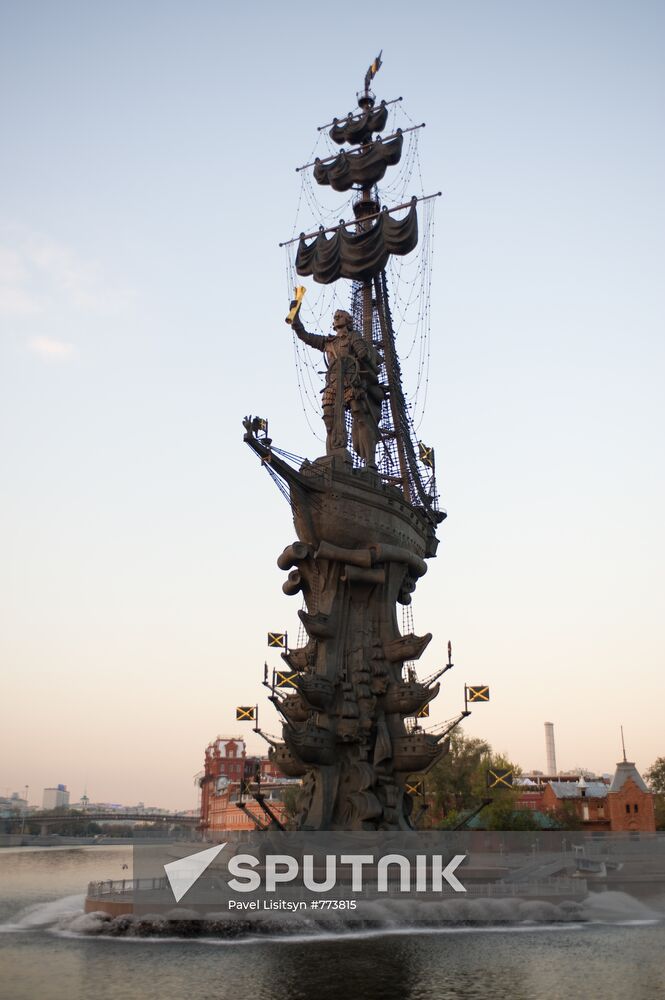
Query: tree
x=659, y=807
x=566, y=816
x=290, y=796
x=74, y=823
x=452, y=784
x=656, y=775
x=502, y=815
x=458, y=784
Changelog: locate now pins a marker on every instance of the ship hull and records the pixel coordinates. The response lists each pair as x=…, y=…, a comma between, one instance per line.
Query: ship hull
x=361, y=549
x=353, y=508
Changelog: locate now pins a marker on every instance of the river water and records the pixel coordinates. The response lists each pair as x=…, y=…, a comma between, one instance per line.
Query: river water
x=618, y=952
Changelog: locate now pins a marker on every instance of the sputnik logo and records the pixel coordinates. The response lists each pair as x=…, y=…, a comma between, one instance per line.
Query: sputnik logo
x=182, y=874
x=276, y=869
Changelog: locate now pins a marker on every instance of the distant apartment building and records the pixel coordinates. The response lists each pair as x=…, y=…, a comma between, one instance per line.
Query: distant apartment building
x=55, y=798
x=12, y=805
x=228, y=780
x=121, y=810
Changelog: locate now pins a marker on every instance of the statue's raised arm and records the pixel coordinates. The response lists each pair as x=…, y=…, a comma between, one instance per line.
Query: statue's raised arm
x=316, y=340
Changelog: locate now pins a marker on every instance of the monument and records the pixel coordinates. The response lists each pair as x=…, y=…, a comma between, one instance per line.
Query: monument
x=365, y=516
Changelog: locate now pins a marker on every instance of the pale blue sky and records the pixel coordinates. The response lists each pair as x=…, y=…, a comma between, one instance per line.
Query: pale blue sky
x=147, y=177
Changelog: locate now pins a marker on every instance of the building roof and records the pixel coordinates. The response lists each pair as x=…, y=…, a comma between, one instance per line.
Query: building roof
x=626, y=769
x=573, y=790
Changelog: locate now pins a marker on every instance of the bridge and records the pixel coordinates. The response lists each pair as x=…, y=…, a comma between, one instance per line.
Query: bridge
x=56, y=819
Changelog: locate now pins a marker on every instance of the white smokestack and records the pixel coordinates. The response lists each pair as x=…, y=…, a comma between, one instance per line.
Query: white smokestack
x=549, y=748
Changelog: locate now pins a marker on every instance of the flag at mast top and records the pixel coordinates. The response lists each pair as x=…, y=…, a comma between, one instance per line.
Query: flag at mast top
x=372, y=71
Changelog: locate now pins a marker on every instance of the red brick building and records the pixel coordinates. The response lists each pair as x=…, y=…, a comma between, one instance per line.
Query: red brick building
x=532, y=788
x=631, y=804
x=586, y=799
x=625, y=805
x=226, y=767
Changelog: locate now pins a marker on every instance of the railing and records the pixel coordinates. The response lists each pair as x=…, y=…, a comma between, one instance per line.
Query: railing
x=75, y=816
x=118, y=887
x=536, y=887
x=634, y=844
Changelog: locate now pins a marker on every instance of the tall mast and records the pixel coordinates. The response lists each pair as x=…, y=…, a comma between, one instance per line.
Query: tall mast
x=388, y=347
x=366, y=205
x=369, y=205
x=362, y=254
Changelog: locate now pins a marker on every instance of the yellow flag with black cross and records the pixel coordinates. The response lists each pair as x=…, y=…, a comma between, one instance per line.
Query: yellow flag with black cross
x=286, y=678
x=478, y=692
x=500, y=777
x=373, y=70
x=246, y=713
x=277, y=640
x=296, y=302
x=426, y=455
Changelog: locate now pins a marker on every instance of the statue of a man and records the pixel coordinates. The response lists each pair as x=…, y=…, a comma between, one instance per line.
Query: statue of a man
x=351, y=384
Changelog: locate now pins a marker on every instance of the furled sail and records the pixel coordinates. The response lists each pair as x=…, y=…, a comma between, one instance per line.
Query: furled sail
x=364, y=167
x=359, y=256
x=359, y=128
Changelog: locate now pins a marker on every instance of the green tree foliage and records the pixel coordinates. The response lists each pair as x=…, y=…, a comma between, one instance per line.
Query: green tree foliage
x=290, y=797
x=455, y=783
x=566, y=816
x=116, y=829
x=655, y=776
x=458, y=784
x=659, y=807
x=503, y=815
x=74, y=823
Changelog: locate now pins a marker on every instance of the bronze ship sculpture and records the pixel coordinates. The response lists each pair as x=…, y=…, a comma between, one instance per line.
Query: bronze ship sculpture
x=365, y=516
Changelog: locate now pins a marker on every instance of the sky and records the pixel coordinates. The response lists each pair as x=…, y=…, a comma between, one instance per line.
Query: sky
x=147, y=169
